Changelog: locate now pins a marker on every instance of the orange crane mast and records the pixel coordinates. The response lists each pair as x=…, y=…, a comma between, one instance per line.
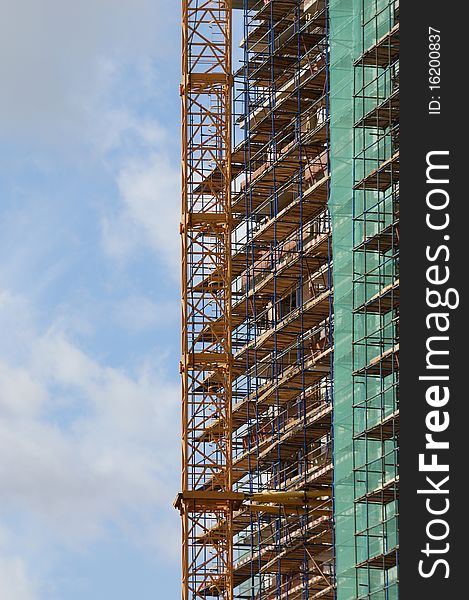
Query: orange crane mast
x=206, y=500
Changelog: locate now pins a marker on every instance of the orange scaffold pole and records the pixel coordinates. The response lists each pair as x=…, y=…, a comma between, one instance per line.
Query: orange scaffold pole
x=206, y=500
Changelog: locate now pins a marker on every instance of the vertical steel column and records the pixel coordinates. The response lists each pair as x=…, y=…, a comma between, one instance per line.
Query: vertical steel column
x=205, y=502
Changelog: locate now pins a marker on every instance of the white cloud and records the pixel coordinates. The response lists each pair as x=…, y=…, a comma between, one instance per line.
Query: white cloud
x=15, y=583
x=53, y=56
x=84, y=447
x=83, y=444
x=85, y=80
x=20, y=394
x=138, y=313
x=117, y=127
x=149, y=190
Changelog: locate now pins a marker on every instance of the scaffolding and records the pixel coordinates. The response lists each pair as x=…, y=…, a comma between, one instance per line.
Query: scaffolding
x=282, y=279
x=207, y=361
x=258, y=499
x=376, y=301
x=256, y=503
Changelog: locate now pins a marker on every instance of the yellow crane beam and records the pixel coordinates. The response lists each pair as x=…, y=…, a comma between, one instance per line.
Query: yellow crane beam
x=206, y=225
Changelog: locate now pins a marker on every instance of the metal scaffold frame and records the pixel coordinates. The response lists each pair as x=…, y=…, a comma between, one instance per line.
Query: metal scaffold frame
x=206, y=366
x=257, y=340
x=282, y=274
x=376, y=301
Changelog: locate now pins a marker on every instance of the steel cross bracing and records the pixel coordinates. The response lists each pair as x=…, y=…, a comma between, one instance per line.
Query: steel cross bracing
x=206, y=310
x=221, y=511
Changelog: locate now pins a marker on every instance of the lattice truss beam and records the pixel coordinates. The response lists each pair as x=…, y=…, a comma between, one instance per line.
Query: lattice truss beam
x=206, y=365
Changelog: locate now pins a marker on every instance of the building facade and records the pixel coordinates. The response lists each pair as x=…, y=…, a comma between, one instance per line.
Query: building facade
x=290, y=229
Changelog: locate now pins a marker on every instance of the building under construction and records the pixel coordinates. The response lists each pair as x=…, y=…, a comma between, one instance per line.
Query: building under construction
x=290, y=299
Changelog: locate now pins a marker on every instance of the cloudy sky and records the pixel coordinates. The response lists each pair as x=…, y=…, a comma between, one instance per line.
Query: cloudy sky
x=89, y=299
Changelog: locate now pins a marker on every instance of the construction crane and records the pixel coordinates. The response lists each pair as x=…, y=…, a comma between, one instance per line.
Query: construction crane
x=207, y=362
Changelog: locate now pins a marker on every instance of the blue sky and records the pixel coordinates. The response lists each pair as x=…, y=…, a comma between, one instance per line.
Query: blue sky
x=89, y=299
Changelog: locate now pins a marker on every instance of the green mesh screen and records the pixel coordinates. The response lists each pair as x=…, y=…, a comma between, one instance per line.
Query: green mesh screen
x=364, y=203
x=344, y=36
